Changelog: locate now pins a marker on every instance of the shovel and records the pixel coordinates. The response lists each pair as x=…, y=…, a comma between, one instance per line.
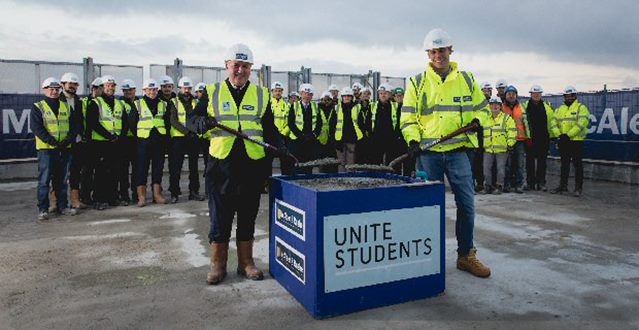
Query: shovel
x=256, y=141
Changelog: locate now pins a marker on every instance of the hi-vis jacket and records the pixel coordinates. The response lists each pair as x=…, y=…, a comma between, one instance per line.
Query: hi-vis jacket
x=248, y=116
x=433, y=108
x=57, y=126
x=181, y=114
x=518, y=113
x=280, y=115
x=572, y=120
x=499, y=133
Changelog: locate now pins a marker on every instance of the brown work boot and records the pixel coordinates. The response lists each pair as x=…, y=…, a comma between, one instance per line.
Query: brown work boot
x=245, y=264
x=219, y=256
x=471, y=264
x=74, y=195
x=157, y=194
x=141, y=190
x=53, y=202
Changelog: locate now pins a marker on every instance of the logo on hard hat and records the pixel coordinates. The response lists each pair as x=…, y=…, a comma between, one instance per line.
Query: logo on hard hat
x=438, y=41
x=241, y=56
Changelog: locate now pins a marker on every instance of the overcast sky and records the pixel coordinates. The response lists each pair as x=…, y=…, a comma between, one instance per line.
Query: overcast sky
x=584, y=43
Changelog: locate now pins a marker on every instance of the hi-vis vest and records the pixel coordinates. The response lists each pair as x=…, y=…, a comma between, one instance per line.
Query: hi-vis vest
x=181, y=113
x=324, y=132
x=521, y=120
x=58, y=126
x=394, y=117
x=299, y=117
x=499, y=133
x=433, y=108
x=147, y=121
x=280, y=114
x=128, y=109
x=339, y=126
x=247, y=118
x=572, y=121
x=110, y=119
x=549, y=114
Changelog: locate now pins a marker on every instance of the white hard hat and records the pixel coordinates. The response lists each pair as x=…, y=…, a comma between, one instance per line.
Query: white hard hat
x=437, y=38
x=185, y=82
x=347, y=91
x=277, y=84
x=97, y=82
x=366, y=89
x=200, y=87
x=51, y=83
x=166, y=80
x=486, y=85
x=385, y=87
x=333, y=87
x=127, y=84
x=295, y=94
x=570, y=90
x=495, y=99
x=501, y=83
x=325, y=94
x=239, y=52
x=70, y=77
x=536, y=89
x=357, y=86
x=150, y=83
x=108, y=79
x=306, y=88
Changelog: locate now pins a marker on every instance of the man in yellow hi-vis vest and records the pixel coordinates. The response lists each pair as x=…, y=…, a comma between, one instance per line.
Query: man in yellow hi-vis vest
x=437, y=102
x=51, y=123
x=236, y=168
x=570, y=123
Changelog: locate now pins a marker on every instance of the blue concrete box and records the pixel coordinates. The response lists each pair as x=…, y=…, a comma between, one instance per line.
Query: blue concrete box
x=341, y=251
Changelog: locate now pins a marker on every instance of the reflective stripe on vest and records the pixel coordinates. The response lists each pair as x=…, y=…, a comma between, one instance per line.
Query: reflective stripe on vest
x=326, y=120
x=498, y=132
x=299, y=116
x=247, y=119
x=181, y=114
x=147, y=121
x=339, y=126
x=58, y=127
x=280, y=115
x=107, y=118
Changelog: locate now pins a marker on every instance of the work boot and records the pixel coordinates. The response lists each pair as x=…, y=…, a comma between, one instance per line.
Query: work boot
x=101, y=206
x=577, y=193
x=471, y=264
x=245, y=264
x=53, y=202
x=506, y=190
x=174, y=199
x=141, y=190
x=157, y=194
x=74, y=196
x=559, y=190
x=195, y=196
x=219, y=256
x=526, y=187
x=518, y=190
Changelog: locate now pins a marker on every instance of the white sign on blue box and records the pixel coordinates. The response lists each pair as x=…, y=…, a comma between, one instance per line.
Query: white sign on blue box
x=364, y=249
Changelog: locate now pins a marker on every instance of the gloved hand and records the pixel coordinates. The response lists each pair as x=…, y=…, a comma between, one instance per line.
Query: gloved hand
x=339, y=146
x=115, y=139
x=204, y=124
x=563, y=138
x=211, y=122
x=476, y=123
x=413, y=149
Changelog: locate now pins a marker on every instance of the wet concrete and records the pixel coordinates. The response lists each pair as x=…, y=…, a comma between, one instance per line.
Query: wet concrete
x=347, y=183
x=557, y=262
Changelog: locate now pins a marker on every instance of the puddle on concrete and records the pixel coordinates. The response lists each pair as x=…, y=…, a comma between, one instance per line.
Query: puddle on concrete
x=192, y=246
x=346, y=183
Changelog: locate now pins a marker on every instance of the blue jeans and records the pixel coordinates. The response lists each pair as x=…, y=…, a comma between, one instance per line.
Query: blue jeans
x=53, y=168
x=515, y=166
x=456, y=166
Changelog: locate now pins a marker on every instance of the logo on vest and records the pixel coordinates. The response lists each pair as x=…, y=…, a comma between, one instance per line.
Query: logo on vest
x=226, y=106
x=248, y=107
x=468, y=98
x=457, y=99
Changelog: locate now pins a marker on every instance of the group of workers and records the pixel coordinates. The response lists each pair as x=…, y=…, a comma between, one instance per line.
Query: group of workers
x=92, y=142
